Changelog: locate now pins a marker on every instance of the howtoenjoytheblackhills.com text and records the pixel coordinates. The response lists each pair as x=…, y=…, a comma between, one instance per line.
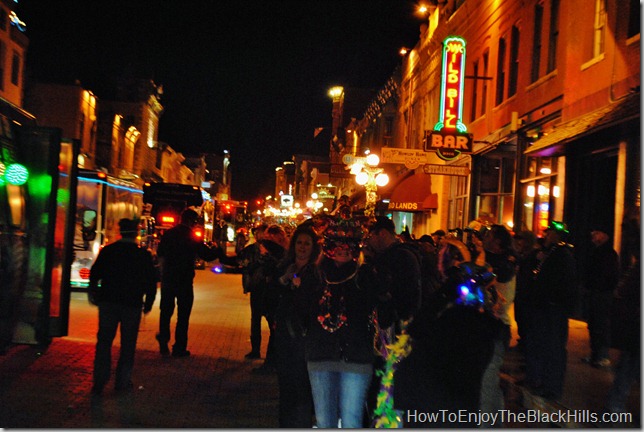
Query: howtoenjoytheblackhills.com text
x=506, y=416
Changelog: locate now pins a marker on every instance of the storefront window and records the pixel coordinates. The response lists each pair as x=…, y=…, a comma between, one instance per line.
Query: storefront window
x=457, y=213
x=540, y=192
x=495, y=200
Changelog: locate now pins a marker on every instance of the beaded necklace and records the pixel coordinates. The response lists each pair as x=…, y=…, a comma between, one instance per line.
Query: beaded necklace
x=329, y=320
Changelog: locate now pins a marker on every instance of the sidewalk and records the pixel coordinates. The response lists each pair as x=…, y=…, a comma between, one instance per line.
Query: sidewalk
x=214, y=387
x=585, y=387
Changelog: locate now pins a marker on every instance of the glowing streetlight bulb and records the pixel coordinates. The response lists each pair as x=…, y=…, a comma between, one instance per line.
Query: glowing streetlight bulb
x=356, y=168
x=382, y=179
x=373, y=159
x=336, y=92
x=362, y=178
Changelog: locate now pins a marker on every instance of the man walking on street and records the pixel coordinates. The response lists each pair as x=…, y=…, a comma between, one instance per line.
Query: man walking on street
x=126, y=274
x=177, y=253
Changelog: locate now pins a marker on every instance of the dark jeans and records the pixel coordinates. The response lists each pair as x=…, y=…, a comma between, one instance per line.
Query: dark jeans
x=546, y=354
x=109, y=317
x=599, y=324
x=295, y=399
x=184, y=296
x=627, y=373
x=492, y=399
x=259, y=310
x=520, y=317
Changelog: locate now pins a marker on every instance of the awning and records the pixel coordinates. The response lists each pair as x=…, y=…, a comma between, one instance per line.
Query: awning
x=414, y=194
x=554, y=143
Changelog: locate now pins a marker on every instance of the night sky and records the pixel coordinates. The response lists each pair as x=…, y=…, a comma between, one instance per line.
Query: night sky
x=250, y=77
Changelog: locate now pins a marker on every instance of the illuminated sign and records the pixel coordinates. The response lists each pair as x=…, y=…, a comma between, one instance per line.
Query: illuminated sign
x=448, y=170
x=403, y=206
x=450, y=138
x=411, y=158
x=286, y=201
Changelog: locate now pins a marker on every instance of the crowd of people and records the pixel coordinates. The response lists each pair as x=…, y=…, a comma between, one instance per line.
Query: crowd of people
x=367, y=324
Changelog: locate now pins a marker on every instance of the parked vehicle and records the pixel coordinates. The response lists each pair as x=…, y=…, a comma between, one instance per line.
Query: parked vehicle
x=102, y=200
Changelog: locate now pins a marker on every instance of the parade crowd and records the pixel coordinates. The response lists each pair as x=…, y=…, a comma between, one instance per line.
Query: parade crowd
x=368, y=324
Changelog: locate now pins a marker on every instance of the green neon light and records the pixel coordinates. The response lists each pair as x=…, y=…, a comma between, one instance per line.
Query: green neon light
x=460, y=127
x=16, y=174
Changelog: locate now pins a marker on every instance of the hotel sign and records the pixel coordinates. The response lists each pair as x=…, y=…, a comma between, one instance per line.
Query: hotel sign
x=450, y=138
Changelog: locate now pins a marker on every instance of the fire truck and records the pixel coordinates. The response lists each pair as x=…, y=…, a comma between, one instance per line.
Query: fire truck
x=166, y=201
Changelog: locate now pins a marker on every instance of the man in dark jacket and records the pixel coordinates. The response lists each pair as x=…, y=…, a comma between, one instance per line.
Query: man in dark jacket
x=250, y=261
x=177, y=252
x=555, y=294
x=126, y=274
x=600, y=276
x=266, y=293
x=398, y=273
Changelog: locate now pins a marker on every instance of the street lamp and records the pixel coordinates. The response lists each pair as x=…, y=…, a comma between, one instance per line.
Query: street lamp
x=370, y=176
x=313, y=203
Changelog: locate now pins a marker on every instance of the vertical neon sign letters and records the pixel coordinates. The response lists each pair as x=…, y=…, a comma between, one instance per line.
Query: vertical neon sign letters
x=450, y=138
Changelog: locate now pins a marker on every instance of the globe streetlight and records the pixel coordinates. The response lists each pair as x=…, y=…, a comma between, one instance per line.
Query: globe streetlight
x=370, y=176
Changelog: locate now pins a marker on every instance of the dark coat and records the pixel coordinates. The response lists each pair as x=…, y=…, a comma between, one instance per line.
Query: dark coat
x=626, y=312
x=602, y=269
x=450, y=352
x=555, y=279
x=179, y=249
x=525, y=278
x=126, y=274
x=248, y=259
x=267, y=290
x=398, y=273
x=354, y=341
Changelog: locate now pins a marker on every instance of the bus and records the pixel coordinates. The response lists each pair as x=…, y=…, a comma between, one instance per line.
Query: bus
x=101, y=201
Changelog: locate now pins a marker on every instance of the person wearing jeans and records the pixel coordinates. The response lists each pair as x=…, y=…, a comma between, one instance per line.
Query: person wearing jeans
x=339, y=395
x=339, y=300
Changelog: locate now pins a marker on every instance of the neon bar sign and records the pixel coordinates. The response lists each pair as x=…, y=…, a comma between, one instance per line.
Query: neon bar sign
x=450, y=138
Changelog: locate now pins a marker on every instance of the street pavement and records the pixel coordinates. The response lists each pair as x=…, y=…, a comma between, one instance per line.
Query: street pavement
x=214, y=387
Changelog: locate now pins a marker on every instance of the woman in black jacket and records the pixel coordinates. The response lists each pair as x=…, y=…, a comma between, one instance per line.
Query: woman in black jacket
x=295, y=401
x=340, y=335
